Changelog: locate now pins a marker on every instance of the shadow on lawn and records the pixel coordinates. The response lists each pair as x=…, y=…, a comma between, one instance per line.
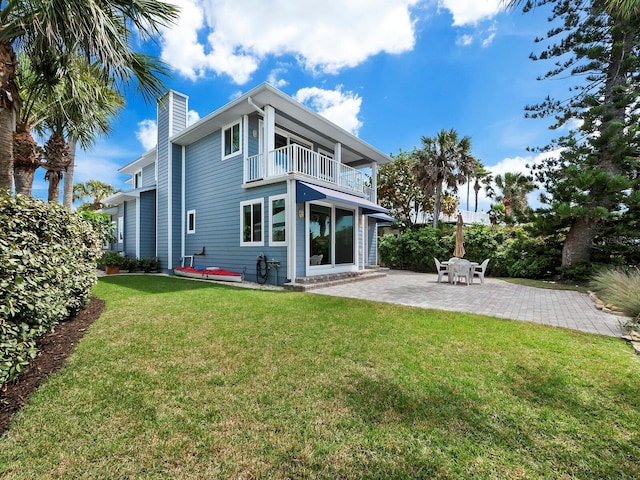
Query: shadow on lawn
x=463, y=419
x=154, y=283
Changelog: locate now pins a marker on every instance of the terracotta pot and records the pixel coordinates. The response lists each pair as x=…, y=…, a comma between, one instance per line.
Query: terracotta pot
x=111, y=270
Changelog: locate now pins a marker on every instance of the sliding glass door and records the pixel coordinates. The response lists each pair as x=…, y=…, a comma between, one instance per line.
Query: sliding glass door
x=331, y=235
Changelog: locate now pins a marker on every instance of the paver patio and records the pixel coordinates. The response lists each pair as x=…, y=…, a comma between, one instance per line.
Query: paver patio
x=497, y=298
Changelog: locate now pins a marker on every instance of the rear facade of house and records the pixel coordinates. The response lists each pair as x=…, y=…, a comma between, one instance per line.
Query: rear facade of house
x=261, y=179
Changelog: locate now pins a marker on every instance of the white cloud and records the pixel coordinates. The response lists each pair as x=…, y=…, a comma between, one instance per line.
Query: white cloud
x=274, y=80
x=232, y=37
x=464, y=40
x=487, y=41
x=147, y=133
x=342, y=108
x=192, y=117
x=519, y=165
x=470, y=12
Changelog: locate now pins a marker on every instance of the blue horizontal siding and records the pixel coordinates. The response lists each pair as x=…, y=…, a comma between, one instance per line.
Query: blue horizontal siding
x=214, y=190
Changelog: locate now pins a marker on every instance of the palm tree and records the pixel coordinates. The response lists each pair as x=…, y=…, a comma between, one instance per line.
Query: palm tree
x=95, y=190
x=52, y=32
x=484, y=176
x=624, y=9
x=27, y=155
x=444, y=160
x=514, y=187
x=80, y=108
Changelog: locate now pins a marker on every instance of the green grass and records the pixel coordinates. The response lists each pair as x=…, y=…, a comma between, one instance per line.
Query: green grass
x=182, y=379
x=528, y=282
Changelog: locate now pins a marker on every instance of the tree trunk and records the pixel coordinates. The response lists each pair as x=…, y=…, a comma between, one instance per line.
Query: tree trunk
x=579, y=241
x=9, y=103
x=26, y=159
x=56, y=154
x=476, y=188
x=436, y=205
x=53, y=177
x=23, y=179
x=507, y=202
x=67, y=196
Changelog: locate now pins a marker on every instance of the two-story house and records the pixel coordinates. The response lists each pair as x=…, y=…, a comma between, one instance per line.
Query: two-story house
x=262, y=176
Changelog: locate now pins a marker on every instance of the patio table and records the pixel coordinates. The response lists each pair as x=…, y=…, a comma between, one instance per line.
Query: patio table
x=451, y=261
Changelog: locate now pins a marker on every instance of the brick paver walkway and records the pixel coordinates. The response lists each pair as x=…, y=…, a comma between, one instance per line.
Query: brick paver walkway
x=497, y=298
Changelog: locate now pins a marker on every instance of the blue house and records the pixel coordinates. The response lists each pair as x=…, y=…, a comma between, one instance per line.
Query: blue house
x=263, y=177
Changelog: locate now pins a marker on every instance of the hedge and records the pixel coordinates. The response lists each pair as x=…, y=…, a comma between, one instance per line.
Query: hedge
x=512, y=251
x=47, y=269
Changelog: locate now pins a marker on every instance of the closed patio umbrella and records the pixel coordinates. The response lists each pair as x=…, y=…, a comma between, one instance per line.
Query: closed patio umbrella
x=459, y=250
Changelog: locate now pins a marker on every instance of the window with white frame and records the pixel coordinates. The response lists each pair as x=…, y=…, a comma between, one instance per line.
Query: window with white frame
x=120, y=229
x=232, y=140
x=191, y=221
x=278, y=220
x=251, y=223
x=137, y=179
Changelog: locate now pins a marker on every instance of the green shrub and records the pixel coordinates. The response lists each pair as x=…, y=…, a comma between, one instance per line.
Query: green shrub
x=47, y=269
x=102, y=224
x=111, y=258
x=130, y=264
x=512, y=251
x=622, y=289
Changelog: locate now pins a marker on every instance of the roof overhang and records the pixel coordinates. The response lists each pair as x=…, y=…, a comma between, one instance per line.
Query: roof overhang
x=289, y=114
x=139, y=163
x=121, y=197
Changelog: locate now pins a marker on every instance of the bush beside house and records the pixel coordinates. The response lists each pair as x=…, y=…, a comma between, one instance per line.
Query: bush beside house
x=47, y=269
x=512, y=251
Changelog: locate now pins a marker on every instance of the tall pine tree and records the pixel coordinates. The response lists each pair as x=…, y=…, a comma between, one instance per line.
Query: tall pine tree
x=595, y=179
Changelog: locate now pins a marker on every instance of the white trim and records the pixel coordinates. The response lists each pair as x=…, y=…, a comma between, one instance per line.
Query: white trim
x=292, y=213
x=189, y=214
x=245, y=138
x=242, y=205
x=120, y=230
x=183, y=202
x=332, y=267
x=138, y=227
x=272, y=242
x=170, y=187
x=296, y=139
x=135, y=174
x=238, y=122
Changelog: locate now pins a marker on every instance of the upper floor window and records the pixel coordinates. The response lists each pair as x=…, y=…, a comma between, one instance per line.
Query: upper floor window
x=231, y=140
x=137, y=179
x=251, y=223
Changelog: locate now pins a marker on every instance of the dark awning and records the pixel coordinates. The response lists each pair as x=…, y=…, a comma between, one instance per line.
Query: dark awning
x=382, y=217
x=307, y=193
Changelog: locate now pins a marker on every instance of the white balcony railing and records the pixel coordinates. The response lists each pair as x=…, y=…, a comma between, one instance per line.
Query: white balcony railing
x=296, y=159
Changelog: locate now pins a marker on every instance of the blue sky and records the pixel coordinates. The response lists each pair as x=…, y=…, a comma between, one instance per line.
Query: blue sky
x=390, y=71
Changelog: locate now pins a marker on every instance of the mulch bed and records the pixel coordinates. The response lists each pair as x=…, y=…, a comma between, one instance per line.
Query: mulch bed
x=53, y=350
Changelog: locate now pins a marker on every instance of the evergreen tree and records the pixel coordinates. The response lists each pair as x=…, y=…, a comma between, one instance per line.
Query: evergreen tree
x=592, y=181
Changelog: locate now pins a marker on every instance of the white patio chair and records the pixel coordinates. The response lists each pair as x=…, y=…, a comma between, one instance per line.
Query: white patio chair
x=441, y=269
x=316, y=259
x=462, y=268
x=478, y=271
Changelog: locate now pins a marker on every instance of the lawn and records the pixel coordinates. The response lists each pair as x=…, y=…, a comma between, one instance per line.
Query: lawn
x=181, y=379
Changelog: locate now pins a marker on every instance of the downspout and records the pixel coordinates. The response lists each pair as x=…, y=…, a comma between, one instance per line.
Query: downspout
x=183, y=202
x=252, y=103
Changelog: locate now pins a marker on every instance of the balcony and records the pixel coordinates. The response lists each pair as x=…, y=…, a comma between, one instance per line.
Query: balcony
x=297, y=160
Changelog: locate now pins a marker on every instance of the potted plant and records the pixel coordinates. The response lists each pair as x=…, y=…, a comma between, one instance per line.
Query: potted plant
x=112, y=261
